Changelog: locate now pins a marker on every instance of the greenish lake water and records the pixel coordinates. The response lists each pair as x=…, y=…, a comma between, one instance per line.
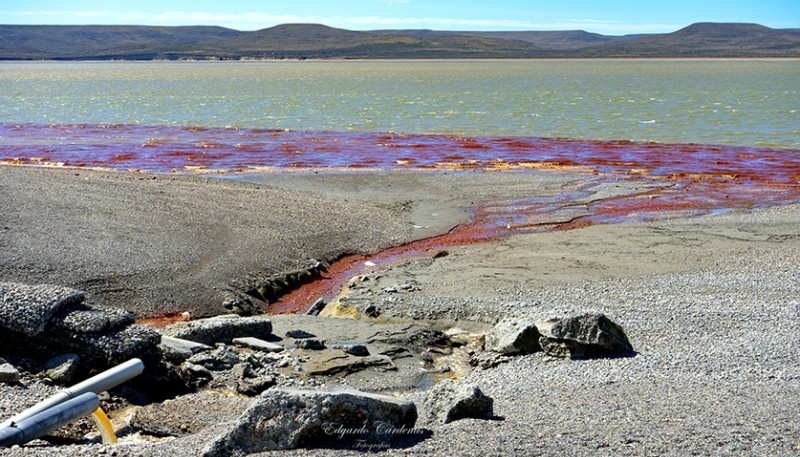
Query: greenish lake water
x=742, y=102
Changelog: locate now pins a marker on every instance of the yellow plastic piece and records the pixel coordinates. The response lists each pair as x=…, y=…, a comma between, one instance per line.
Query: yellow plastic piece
x=105, y=427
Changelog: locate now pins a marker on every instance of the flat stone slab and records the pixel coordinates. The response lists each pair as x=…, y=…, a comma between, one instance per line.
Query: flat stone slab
x=221, y=329
x=178, y=349
x=257, y=344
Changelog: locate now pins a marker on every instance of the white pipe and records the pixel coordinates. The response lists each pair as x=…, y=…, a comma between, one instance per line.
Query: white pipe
x=96, y=384
x=44, y=422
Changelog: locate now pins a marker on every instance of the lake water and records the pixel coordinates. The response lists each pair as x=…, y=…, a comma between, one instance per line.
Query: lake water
x=742, y=102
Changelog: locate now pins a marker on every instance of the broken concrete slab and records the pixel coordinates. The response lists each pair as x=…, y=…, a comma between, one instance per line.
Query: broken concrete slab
x=257, y=344
x=26, y=309
x=221, y=329
x=177, y=350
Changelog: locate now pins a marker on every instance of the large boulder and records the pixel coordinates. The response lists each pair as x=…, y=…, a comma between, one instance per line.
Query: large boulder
x=513, y=336
x=449, y=401
x=591, y=335
x=296, y=418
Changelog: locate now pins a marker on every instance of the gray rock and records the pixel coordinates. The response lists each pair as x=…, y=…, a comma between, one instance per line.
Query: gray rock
x=221, y=329
x=294, y=418
x=486, y=360
x=299, y=334
x=586, y=336
x=27, y=309
x=253, y=387
x=242, y=370
x=96, y=319
x=110, y=348
x=356, y=349
x=449, y=401
x=513, y=336
x=195, y=375
x=61, y=369
x=310, y=344
x=221, y=358
x=370, y=310
x=8, y=373
x=177, y=350
x=257, y=344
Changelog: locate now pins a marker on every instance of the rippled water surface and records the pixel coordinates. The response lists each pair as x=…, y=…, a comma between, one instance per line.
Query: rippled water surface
x=755, y=103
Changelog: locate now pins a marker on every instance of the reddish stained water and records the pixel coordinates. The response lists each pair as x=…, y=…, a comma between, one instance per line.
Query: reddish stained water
x=689, y=178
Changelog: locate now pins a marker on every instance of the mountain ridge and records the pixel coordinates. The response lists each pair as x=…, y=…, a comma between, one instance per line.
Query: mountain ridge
x=318, y=41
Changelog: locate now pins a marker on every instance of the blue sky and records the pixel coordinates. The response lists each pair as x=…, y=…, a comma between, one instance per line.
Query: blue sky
x=614, y=17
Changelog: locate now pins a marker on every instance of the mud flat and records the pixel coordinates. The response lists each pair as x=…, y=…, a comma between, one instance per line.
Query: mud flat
x=710, y=304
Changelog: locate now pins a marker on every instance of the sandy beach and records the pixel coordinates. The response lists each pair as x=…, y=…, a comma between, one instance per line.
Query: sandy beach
x=710, y=303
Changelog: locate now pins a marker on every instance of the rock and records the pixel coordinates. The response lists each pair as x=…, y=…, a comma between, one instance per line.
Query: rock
x=195, y=376
x=486, y=360
x=96, y=319
x=317, y=307
x=299, y=334
x=8, y=373
x=257, y=344
x=39, y=321
x=449, y=401
x=27, y=309
x=61, y=369
x=243, y=370
x=177, y=350
x=253, y=387
x=586, y=336
x=221, y=329
x=294, y=418
x=221, y=358
x=310, y=344
x=513, y=336
x=356, y=349
x=370, y=310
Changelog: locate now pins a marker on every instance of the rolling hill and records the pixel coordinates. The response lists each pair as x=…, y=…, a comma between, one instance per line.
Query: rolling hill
x=315, y=41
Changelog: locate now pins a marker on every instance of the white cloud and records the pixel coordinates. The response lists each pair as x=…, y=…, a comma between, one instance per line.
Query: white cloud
x=258, y=20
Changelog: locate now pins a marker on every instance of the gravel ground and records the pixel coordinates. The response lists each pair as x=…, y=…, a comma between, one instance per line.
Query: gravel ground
x=711, y=307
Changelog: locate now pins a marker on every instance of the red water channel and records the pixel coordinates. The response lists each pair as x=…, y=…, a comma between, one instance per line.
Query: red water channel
x=683, y=178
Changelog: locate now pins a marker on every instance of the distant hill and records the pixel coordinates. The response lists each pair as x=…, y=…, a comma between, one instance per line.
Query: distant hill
x=315, y=41
x=707, y=40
